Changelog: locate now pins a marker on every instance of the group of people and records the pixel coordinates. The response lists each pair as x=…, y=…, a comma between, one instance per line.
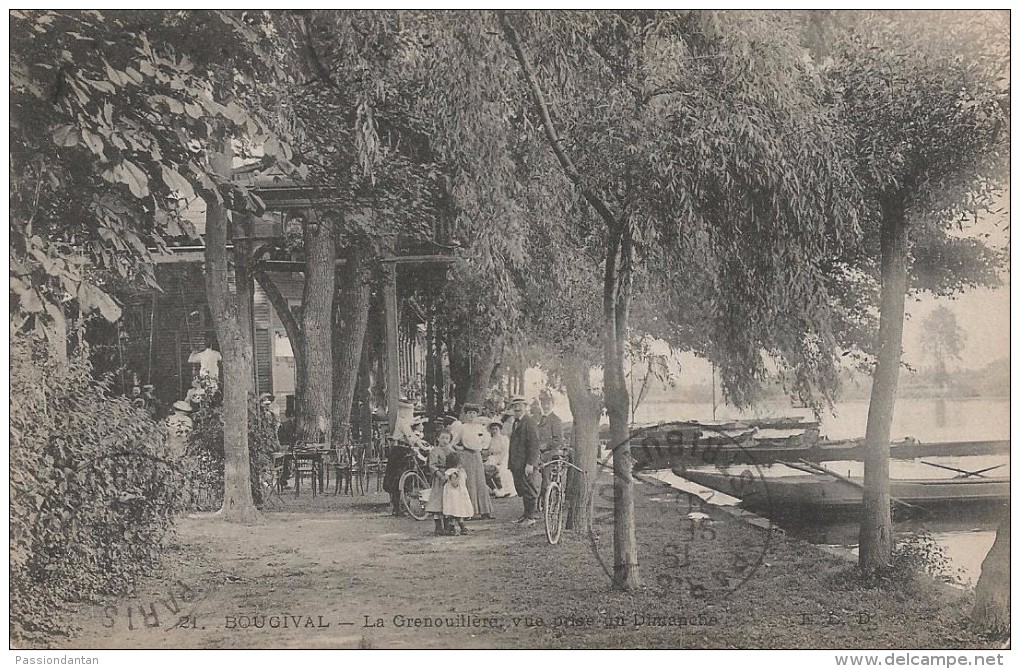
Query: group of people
x=476, y=459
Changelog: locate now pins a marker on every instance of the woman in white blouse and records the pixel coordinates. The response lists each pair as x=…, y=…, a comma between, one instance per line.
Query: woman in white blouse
x=474, y=440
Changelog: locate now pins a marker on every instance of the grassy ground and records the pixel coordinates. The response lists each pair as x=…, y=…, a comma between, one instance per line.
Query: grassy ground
x=336, y=560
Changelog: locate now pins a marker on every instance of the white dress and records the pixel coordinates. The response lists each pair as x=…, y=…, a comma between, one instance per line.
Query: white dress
x=499, y=455
x=456, y=501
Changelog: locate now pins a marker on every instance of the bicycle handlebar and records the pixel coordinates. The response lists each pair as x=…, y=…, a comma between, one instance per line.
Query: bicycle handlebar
x=561, y=461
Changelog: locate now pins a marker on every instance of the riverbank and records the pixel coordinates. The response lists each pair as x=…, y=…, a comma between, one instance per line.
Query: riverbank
x=340, y=573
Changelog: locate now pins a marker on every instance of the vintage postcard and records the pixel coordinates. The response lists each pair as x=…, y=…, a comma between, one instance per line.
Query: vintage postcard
x=505, y=329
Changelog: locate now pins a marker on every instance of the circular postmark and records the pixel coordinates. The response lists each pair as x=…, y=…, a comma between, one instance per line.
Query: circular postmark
x=688, y=547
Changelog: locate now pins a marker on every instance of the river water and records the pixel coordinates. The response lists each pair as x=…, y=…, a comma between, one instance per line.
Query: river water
x=924, y=419
x=965, y=537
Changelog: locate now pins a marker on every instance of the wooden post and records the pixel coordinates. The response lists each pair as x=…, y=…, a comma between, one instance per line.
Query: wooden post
x=431, y=408
x=392, y=352
x=363, y=417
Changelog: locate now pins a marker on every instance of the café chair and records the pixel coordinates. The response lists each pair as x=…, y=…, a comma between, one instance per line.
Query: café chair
x=342, y=465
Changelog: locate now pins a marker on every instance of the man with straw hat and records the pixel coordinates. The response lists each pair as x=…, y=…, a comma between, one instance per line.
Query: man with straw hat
x=524, y=459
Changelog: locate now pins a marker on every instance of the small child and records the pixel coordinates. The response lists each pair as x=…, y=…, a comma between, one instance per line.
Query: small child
x=456, y=499
x=437, y=466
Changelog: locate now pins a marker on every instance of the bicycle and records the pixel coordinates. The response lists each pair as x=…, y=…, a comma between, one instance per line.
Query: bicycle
x=414, y=485
x=556, y=493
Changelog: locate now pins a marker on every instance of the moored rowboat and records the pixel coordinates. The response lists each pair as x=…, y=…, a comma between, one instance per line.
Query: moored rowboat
x=823, y=492
x=666, y=445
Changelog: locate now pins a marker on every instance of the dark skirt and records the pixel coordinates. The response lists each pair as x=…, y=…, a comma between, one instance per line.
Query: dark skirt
x=401, y=460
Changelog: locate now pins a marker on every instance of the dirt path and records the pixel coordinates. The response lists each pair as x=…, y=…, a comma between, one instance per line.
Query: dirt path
x=339, y=572
x=310, y=567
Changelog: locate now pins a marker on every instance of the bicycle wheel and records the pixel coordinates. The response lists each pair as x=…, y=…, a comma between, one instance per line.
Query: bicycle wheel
x=553, y=513
x=412, y=484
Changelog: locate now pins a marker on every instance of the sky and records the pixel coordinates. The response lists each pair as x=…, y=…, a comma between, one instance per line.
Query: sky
x=982, y=314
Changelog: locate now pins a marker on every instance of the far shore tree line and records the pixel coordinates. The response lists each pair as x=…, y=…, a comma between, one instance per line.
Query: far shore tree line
x=762, y=189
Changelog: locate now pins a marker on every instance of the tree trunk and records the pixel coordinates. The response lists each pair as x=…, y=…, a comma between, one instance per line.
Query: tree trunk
x=626, y=575
x=378, y=359
x=245, y=289
x=479, y=378
x=498, y=370
x=616, y=305
x=315, y=417
x=58, y=339
x=460, y=367
x=876, y=518
x=350, y=318
x=991, y=596
x=293, y=330
x=584, y=438
x=237, y=358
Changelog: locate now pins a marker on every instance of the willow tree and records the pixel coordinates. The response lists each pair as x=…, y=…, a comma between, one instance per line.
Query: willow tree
x=926, y=99
x=681, y=131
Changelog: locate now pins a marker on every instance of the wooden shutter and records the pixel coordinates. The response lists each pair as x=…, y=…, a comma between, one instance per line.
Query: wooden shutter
x=264, y=360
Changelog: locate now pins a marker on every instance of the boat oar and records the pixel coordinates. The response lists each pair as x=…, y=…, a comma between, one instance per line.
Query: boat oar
x=965, y=473
x=802, y=468
x=822, y=469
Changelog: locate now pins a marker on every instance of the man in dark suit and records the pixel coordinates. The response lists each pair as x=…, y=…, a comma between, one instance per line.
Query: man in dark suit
x=550, y=436
x=524, y=459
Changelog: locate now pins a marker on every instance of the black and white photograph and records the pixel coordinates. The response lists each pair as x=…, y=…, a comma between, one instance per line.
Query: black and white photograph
x=510, y=329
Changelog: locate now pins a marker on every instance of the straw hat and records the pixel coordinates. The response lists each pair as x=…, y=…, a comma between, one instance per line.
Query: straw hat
x=181, y=405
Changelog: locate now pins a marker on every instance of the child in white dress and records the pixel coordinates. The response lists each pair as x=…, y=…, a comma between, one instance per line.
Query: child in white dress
x=456, y=500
